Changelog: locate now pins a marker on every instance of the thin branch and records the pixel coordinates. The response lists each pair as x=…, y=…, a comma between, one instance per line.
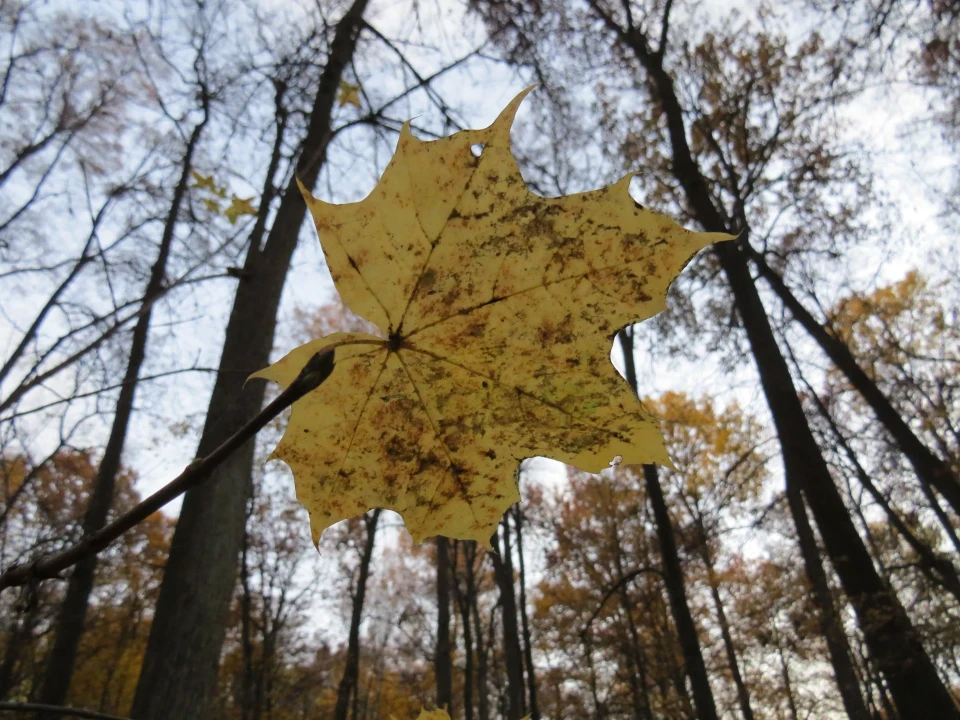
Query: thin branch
x=619, y=584
x=317, y=369
x=56, y=710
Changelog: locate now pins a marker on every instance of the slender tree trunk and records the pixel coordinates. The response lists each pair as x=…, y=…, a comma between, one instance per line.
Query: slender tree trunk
x=463, y=604
x=180, y=664
x=830, y=625
x=483, y=702
x=743, y=695
x=73, y=611
x=673, y=578
x=636, y=662
x=348, y=683
x=441, y=660
x=787, y=683
x=524, y=620
x=930, y=468
x=891, y=637
x=511, y=637
x=246, y=641
x=672, y=570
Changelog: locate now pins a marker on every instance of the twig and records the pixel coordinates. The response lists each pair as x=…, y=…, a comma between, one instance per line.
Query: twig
x=58, y=709
x=619, y=584
x=317, y=369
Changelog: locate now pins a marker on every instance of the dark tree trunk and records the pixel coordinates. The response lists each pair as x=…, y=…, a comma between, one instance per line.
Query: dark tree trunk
x=513, y=660
x=893, y=642
x=19, y=639
x=673, y=578
x=180, y=664
x=348, y=683
x=73, y=612
x=441, y=660
x=524, y=620
x=930, y=468
x=830, y=624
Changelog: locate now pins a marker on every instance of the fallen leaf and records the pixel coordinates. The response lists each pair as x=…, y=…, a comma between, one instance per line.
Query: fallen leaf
x=348, y=94
x=499, y=309
x=238, y=207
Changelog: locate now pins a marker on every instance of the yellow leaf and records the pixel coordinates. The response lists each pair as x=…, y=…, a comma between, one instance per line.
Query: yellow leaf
x=438, y=714
x=499, y=308
x=348, y=94
x=204, y=182
x=239, y=206
x=211, y=205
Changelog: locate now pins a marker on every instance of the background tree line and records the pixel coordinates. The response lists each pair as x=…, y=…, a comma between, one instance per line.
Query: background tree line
x=799, y=560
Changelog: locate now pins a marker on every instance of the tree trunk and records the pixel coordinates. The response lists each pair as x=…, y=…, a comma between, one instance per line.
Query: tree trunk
x=830, y=624
x=636, y=662
x=246, y=640
x=73, y=612
x=930, y=468
x=483, y=703
x=787, y=683
x=937, y=569
x=511, y=637
x=893, y=642
x=673, y=578
x=743, y=695
x=441, y=660
x=464, y=602
x=180, y=664
x=525, y=621
x=348, y=683
x=19, y=638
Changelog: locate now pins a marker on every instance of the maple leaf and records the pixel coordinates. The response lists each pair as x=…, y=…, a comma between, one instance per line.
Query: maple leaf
x=211, y=205
x=348, y=94
x=498, y=308
x=239, y=206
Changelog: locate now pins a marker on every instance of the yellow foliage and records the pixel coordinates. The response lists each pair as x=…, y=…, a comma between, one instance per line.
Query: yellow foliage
x=204, y=182
x=238, y=207
x=348, y=94
x=498, y=309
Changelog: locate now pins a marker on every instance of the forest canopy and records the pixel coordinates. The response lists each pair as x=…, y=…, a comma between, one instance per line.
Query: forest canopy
x=797, y=558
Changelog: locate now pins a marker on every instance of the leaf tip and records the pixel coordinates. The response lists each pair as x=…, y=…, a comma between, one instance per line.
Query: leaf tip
x=500, y=129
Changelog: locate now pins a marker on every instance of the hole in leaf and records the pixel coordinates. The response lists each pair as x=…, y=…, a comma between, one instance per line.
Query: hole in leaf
x=616, y=461
x=477, y=149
